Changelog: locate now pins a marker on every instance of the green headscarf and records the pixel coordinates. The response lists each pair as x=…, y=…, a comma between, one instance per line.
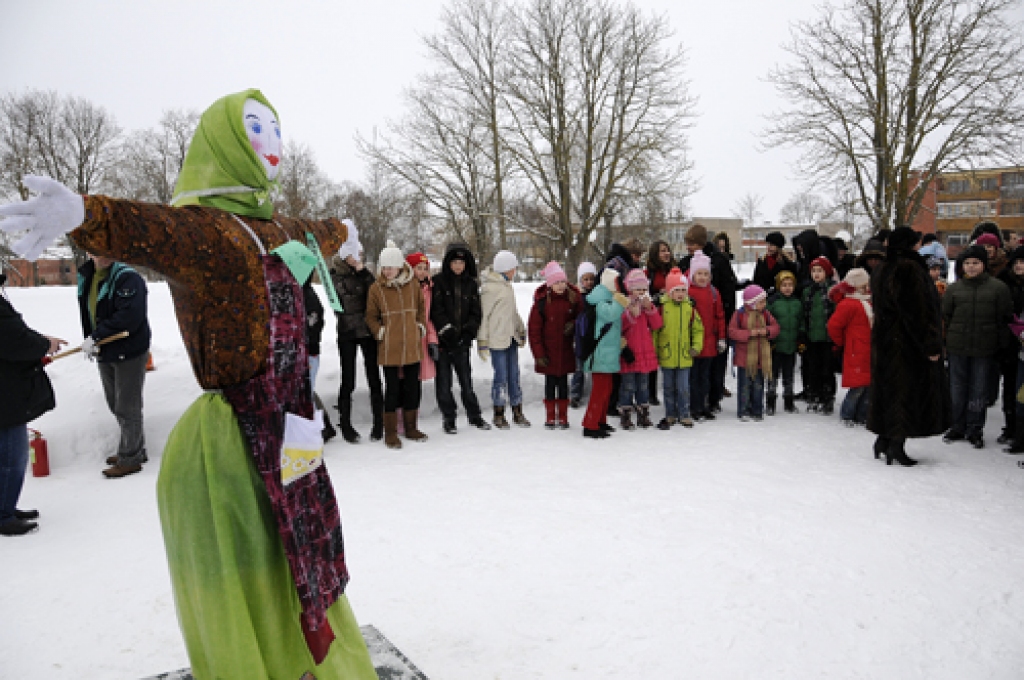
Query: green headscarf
x=221, y=157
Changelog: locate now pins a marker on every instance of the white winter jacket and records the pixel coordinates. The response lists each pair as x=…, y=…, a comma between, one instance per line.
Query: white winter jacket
x=501, y=321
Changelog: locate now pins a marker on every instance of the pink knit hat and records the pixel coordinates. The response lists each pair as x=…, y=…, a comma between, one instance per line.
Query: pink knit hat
x=676, y=279
x=988, y=240
x=553, y=273
x=698, y=262
x=635, y=279
x=753, y=294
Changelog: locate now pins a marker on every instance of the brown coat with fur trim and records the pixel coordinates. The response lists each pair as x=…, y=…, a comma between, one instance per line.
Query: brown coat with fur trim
x=396, y=316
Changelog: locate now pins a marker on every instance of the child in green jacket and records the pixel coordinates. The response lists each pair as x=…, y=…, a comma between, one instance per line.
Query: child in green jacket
x=820, y=379
x=787, y=309
x=679, y=339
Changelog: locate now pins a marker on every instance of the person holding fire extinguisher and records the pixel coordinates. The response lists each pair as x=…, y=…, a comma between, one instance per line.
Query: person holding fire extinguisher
x=25, y=394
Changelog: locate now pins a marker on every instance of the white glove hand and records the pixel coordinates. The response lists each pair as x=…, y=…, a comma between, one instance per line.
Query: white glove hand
x=55, y=211
x=89, y=349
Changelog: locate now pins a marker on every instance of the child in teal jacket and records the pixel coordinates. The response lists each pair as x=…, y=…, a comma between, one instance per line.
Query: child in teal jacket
x=604, y=362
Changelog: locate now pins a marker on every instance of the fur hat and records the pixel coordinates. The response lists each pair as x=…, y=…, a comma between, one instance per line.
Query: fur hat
x=636, y=279
x=783, y=276
x=417, y=258
x=977, y=252
x=608, y=278
x=504, y=261
x=903, y=238
x=824, y=264
x=753, y=294
x=553, y=273
x=987, y=239
x=351, y=247
x=776, y=238
x=1017, y=254
x=857, y=277
x=873, y=248
x=391, y=256
x=584, y=269
x=697, y=235
x=676, y=279
x=698, y=262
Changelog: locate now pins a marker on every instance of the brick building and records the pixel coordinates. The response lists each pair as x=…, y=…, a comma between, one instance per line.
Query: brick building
x=46, y=271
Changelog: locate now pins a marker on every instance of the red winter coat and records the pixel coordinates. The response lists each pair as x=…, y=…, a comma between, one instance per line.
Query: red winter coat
x=638, y=330
x=708, y=302
x=850, y=328
x=548, y=336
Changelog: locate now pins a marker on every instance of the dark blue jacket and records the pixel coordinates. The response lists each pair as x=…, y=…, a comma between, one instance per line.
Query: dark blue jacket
x=25, y=391
x=120, y=306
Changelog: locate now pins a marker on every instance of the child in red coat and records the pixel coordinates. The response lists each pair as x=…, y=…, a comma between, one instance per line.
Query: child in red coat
x=850, y=328
x=753, y=328
x=708, y=301
x=552, y=326
x=639, y=358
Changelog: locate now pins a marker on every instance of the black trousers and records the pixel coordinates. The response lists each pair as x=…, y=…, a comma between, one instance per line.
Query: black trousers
x=347, y=348
x=821, y=380
x=719, y=367
x=556, y=387
x=456, y=360
x=782, y=366
x=402, y=388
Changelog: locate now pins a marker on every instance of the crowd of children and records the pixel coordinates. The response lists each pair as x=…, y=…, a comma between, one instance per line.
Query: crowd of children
x=624, y=324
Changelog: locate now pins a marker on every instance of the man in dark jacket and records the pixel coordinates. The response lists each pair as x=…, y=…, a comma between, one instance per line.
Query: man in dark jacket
x=723, y=278
x=773, y=262
x=25, y=395
x=456, y=313
x=111, y=300
x=352, y=283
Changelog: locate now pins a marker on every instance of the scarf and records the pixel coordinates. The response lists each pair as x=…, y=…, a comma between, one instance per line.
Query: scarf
x=221, y=169
x=865, y=301
x=759, y=349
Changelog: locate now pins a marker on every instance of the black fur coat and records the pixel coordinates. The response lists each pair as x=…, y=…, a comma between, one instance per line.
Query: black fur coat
x=909, y=393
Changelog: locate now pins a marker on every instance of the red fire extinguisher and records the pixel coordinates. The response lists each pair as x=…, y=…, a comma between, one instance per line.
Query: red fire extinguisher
x=40, y=456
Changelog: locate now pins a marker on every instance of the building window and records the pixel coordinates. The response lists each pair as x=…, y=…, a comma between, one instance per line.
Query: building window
x=989, y=184
x=956, y=239
x=966, y=209
x=1011, y=179
x=956, y=186
x=1015, y=207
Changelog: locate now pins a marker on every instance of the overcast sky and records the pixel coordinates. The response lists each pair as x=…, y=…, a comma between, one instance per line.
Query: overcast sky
x=335, y=67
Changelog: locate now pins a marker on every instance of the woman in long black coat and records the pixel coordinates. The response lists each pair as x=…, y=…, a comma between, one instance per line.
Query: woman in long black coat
x=909, y=391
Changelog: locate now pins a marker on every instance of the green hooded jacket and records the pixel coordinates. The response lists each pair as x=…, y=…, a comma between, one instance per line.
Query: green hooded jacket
x=788, y=311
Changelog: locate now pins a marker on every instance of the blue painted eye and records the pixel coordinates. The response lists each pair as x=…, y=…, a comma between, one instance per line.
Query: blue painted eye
x=278, y=131
x=256, y=128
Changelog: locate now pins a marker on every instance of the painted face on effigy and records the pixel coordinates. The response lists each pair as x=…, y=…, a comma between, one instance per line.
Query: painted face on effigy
x=264, y=134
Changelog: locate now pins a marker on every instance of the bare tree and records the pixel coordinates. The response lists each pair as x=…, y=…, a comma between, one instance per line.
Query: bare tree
x=150, y=160
x=597, y=109
x=805, y=208
x=887, y=94
x=748, y=209
x=303, y=190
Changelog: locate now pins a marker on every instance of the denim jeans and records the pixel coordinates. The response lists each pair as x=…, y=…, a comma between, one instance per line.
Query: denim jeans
x=506, y=376
x=969, y=379
x=677, y=392
x=577, y=384
x=782, y=365
x=855, y=405
x=13, y=461
x=634, y=385
x=456, y=360
x=751, y=393
x=700, y=383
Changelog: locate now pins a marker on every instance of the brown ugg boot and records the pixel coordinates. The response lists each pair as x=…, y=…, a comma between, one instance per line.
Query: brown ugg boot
x=518, y=418
x=412, y=432
x=499, y=418
x=391, y=439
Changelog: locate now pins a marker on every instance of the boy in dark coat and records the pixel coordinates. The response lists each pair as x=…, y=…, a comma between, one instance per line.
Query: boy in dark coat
x=820, y=380
x=26, y=395
x=773, y=262
x=112, y=299
x=455, y=312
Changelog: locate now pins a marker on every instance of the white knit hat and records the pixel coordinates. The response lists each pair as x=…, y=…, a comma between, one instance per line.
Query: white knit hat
x=585, y=268
x=391, y=256
x=504, y=261
x=351, y=246
x=857, y=277
x=608, y=279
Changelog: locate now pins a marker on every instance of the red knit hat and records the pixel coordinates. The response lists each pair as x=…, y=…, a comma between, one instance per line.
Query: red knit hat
x=676, y=279
x=824, y=264
x=417, y=258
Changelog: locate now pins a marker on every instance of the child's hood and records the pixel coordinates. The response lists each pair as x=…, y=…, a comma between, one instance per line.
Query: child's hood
x=405, y=275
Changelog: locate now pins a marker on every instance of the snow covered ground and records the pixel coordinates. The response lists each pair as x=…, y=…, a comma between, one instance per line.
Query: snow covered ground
x=733, y=550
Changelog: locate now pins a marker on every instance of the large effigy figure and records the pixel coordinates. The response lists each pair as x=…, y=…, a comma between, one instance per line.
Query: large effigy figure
x=249, y=517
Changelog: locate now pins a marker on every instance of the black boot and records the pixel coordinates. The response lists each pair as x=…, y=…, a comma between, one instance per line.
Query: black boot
x=788, y=404
x=828, y=406
x=377, y=431
x=1009, y=431
x=896, y=453
x=769, y=404
x=348, y=433
x=1017, y=445
x=881, y=446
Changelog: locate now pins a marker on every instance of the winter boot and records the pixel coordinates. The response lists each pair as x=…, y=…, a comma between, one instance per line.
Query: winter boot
x=666, y=423
x=594, y=434
x=499, y=418
x=550, y=421
x=896, y=453
x=626, y=422
x=643, y=418
x=828, y=406
x=788, y=404
x=576, y=402
x=412, y=432
x=769, y=404
x=606, y=428
x=391, y=439
x=348, y=433
x=122, y=470
x=448, y=425
x=479, y=423
x=517, y=416
x=377, y=431
x=1009, y=431
x=328, y=433
x=17, y=527
x=562, y=411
